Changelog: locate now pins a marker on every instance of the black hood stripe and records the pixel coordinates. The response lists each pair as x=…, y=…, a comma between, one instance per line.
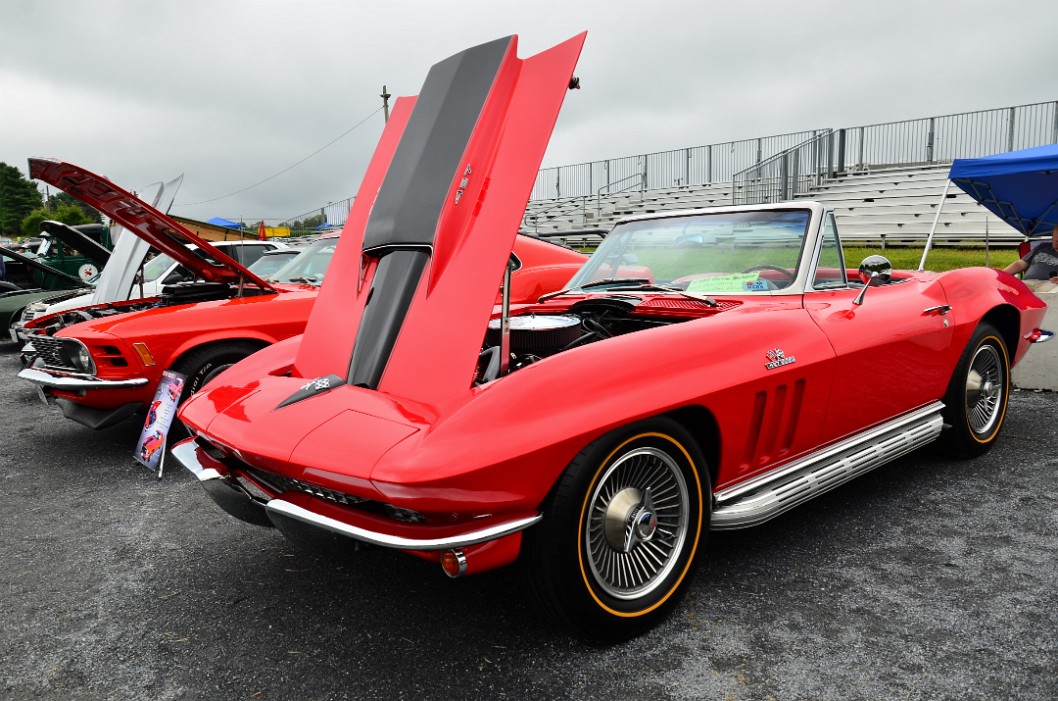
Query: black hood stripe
x=412, y=196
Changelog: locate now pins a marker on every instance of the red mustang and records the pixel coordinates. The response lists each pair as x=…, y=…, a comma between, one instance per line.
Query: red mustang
x=706, y=369
x=108, y=368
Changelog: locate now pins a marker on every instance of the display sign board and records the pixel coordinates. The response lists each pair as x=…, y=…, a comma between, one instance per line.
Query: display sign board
x=150, y=448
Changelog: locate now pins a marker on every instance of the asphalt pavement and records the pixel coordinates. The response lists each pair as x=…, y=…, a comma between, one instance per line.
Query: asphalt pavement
x=926, y=579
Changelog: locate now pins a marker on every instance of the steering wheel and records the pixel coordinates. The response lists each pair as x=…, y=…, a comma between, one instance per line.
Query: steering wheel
x=765, y=266
x=772, y=285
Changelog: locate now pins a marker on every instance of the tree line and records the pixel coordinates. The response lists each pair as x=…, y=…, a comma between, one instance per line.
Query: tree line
x=23, y=207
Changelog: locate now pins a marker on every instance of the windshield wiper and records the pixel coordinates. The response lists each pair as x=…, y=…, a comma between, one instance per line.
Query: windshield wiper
x=619, y=281
x=690, y=295
x=304, y=280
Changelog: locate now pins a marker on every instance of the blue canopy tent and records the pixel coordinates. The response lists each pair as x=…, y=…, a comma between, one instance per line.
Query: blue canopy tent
x=217, y=221
x=1019, y=187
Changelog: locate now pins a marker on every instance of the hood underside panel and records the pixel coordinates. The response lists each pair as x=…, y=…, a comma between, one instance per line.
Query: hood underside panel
x=451, y=197
x=158, y=229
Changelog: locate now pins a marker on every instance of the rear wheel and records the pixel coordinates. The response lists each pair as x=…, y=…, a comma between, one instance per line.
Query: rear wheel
x=621, y=532
x=976, y=400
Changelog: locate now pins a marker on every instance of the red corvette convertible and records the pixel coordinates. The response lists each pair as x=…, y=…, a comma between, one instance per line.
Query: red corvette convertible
x=102, y=364
x=704, y=370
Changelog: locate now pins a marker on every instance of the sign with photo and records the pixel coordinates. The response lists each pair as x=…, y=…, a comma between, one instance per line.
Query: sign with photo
x=150, y=448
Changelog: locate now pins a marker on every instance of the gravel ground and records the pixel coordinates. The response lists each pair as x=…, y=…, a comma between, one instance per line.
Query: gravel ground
x=926, y=579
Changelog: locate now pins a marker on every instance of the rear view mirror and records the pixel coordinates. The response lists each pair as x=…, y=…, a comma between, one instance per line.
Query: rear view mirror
x=875, y=270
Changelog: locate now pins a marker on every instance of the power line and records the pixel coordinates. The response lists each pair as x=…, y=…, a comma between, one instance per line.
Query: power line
x=290, y=167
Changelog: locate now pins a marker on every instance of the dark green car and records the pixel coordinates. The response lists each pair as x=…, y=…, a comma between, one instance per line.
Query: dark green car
x=71, y=258
x=80, y=251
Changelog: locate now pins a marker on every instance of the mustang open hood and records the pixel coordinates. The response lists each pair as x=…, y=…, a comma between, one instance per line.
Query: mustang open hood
x=413, y=282
x=158, y=229
x=73, y=237
x=35, y=263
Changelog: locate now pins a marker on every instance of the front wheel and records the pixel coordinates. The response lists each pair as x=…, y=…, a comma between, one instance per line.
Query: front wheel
x=622, y=531
x=203, y=364
x=976, y=400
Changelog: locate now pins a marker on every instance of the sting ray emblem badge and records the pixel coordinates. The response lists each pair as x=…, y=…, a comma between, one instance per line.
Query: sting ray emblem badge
x=463, y=184
x=777, y=358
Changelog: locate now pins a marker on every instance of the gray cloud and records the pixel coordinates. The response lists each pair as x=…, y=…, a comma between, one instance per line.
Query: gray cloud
x=230, y=92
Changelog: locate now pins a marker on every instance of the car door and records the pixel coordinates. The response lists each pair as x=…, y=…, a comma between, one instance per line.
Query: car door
x=890, y=351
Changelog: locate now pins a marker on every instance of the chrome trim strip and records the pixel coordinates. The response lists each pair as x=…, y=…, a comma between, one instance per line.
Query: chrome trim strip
x=762, y=498
x=185, y=453
x=64, y=382
x=282, y=508
x=228, y=494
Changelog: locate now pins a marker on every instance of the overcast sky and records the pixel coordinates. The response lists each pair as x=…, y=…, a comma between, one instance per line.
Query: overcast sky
x=231, y=92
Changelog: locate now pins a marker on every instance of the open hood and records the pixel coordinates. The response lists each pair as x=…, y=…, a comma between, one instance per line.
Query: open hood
x=414, y=279
x=158, y=229
x=73, y=237
x=72, y=280
x=118, y=277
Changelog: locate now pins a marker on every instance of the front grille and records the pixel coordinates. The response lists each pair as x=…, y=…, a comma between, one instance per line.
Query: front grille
x=52, y=351
x=280, y=484
x=253, y=479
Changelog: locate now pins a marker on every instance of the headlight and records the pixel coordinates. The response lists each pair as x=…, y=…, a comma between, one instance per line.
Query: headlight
x=79, y=356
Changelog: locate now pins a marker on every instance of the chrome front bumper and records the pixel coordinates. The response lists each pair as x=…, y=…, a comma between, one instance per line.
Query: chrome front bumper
x=236, y=501
x=75, y=384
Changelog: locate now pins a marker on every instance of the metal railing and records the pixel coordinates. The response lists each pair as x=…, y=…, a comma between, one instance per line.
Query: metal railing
x=785, y=175
x=945, y=138
x=911, y=142
x=329, y=217
x=696, y=165
x=915, y=141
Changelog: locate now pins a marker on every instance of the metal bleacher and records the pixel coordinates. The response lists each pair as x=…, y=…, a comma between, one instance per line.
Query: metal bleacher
x=893, y=206
x=898, y=206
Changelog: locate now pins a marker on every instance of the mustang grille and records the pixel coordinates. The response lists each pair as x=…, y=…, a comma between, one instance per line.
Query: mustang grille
x=52, y=351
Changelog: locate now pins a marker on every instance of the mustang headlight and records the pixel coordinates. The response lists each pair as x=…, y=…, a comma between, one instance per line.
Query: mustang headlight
x=79, y=357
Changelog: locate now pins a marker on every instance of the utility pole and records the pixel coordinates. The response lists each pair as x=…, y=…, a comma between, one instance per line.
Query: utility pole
x=385, y=101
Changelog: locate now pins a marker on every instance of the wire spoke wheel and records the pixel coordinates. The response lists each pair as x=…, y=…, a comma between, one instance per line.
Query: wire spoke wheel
x=984, y=389
x=637, y=523
x=622, y=532
x=976, y=401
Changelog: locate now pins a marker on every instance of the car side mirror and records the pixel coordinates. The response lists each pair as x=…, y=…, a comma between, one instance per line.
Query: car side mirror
x=874, y=271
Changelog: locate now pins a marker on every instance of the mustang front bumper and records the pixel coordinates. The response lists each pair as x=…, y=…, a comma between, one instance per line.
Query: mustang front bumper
x=68, y=383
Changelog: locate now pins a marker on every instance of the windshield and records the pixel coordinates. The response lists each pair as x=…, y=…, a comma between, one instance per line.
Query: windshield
x=727, y=252
x=154, y=268
x=309, y=267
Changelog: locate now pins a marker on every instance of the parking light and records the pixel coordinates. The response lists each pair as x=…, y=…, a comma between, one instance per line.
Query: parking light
x=144, y=353
x=454, y=563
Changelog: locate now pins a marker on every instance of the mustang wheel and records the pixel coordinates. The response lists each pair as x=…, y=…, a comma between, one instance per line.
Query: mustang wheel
x=203, y=364
x=621, y=531
x=976, y=401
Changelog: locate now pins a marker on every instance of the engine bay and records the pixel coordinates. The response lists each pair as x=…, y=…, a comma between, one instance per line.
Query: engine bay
x=180, y=293
x=538, y=335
